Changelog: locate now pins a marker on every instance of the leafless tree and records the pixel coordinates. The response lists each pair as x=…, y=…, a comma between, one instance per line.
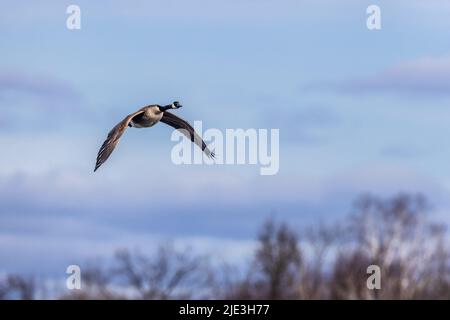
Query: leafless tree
x=276, y=263
x=170, y=274
x=318, y=245
x=17, y=287
x=396, y=235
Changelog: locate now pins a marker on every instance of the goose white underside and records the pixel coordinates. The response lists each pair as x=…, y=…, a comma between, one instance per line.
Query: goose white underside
x=144, y=125
x=150, y=117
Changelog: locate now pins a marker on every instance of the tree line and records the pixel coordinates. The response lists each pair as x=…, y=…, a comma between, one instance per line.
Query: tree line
x=327, y=261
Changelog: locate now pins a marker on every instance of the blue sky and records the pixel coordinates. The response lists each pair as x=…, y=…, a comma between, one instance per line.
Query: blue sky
x=358, y=111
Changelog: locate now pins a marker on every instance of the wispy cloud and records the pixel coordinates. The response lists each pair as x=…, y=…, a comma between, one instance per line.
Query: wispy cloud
x=19, y=83
x=82, y=215
x=27, y=99
x=198, y=195
x=401, y=151
x=310, y=125
x=425, y=76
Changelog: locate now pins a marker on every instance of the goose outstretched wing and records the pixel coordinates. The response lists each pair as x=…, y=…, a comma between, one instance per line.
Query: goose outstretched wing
x=113, y=139
x=182, y=125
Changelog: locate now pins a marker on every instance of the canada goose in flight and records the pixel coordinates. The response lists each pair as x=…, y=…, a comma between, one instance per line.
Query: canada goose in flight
x=144, y=118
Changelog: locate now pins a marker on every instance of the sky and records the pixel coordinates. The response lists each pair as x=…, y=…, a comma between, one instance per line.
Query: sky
x=358, y=111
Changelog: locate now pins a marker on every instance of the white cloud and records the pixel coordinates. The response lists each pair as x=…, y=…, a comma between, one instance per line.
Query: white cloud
x=424, y=76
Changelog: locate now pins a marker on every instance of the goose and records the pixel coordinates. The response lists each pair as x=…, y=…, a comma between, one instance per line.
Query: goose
x=147, y=117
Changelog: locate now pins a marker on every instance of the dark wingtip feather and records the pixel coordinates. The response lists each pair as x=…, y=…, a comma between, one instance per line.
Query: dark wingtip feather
x=98, y=164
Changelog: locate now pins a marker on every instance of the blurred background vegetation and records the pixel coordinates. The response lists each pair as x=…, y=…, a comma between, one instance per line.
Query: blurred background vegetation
x=320, y=262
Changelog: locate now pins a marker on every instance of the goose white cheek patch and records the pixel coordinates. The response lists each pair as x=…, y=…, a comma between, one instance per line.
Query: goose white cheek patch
x=235, y=147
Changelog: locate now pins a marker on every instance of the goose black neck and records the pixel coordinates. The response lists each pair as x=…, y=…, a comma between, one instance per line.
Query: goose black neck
x=165, y=108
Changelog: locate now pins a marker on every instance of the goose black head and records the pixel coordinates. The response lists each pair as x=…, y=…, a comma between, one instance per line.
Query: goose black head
x=176, y=105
